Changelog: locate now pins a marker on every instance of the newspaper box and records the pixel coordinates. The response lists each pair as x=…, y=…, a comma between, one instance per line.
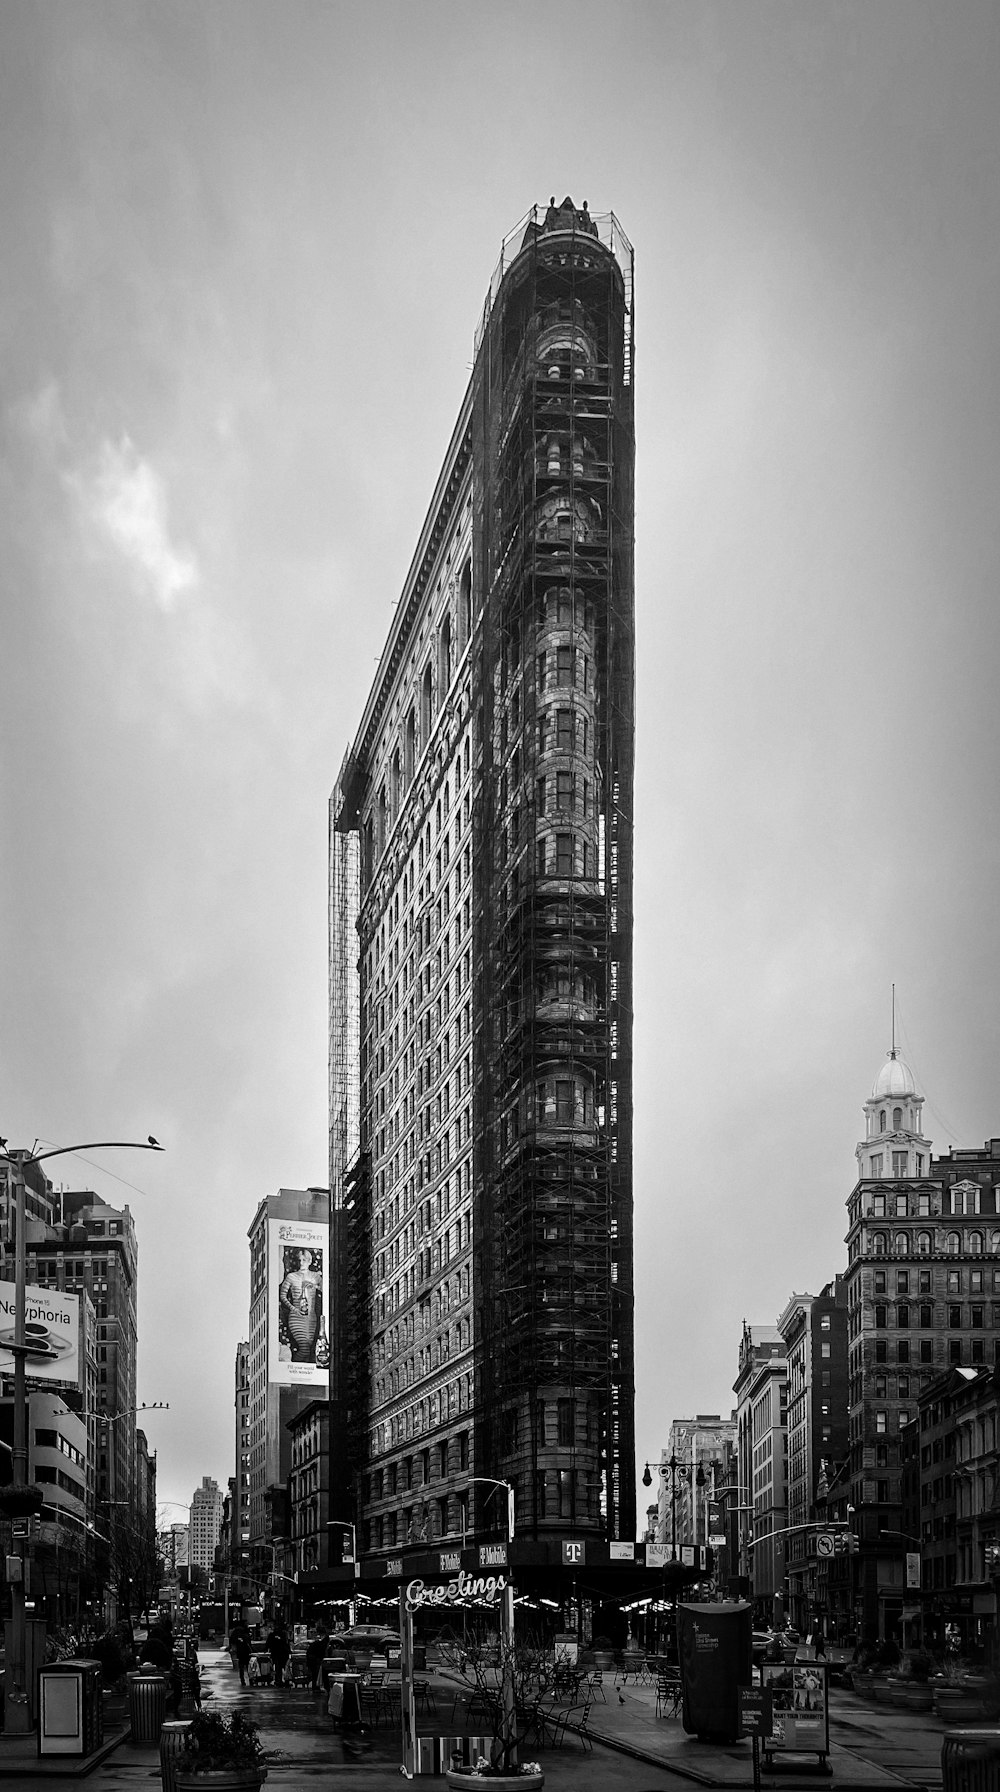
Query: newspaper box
x=71, y=1708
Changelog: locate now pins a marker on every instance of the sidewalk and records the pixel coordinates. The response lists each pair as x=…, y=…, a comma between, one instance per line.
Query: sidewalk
x=871, y=1749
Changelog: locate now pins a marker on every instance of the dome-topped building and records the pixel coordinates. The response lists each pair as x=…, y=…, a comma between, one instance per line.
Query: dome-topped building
x=893, y=1144
x=895, y=1078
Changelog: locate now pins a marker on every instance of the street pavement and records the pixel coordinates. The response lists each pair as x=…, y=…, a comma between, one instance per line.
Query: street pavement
x=872, y=1749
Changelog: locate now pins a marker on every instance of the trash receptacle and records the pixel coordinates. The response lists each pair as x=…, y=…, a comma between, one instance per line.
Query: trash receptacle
x=147, y=1704
x=715, y=1652
x=970, y=1760
x=71, y=1708
x=173, y=1740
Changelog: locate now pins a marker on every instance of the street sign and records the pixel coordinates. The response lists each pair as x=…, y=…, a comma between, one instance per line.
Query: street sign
x=755, y=1710
x=826, y=1544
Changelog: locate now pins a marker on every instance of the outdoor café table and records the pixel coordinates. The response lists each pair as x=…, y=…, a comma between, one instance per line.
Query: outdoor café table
x=344, y=1703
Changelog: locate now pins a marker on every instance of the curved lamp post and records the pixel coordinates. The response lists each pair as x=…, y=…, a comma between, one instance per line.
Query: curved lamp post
x=17, y=1711
x=507, y=1618
x=673, y=1471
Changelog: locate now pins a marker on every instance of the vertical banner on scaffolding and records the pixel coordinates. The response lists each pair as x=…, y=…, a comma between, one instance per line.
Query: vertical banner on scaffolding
x=406, y=1676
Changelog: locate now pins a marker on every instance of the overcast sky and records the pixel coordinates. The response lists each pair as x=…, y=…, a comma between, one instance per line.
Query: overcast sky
x=245, y=247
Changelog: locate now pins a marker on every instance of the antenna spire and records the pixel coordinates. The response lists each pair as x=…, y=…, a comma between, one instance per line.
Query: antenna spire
x=892, y=1053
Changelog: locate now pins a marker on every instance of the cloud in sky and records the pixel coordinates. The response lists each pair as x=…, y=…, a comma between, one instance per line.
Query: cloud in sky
x=126, y=498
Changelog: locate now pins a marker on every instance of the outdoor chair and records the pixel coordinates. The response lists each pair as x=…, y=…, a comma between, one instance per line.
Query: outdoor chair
x=668, y=1694
x=572, y=1721
x=594, y=1682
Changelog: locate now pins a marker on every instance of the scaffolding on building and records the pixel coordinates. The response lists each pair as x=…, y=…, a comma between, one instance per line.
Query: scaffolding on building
x=552, y=455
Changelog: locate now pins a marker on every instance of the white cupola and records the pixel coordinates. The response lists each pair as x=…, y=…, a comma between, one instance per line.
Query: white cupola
x=893, y=1145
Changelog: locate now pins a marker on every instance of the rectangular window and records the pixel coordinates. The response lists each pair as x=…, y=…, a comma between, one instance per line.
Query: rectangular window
x=875, y=1170
x=977, y=1319
x=975, y=1281
x=564, y=1103
x=564, y=666
x=902, y=1281
x=926, y=1350
x=901, y=1201
x=564, y=855
x=881, y=1422
x=540, y=795
x=565, y=730
x=566, y=1421
x=923, y=1200
x=954, y=1281
x=899, y=1169
x=564, y=791
x=925, y=1283
x=955, y=1317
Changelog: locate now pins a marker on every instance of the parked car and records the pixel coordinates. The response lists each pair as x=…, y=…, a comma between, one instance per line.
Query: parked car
x=365, y=1640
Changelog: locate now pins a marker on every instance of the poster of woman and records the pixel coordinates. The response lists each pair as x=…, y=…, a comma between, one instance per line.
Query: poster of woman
x=299, y=1344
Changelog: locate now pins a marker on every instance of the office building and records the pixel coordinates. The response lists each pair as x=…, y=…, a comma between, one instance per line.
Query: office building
x=287, y=1362
x=481, y=949
x=814, y=1328
x=923, y=1282
x=205, y=1523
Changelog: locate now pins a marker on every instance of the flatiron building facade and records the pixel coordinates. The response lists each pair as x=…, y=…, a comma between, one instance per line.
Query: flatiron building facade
x=481, y=951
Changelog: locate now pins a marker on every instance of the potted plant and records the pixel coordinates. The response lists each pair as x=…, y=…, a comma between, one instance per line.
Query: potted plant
x=221, y=1754
x=910, y=1685
x=962, y=1696
x=505, y=1681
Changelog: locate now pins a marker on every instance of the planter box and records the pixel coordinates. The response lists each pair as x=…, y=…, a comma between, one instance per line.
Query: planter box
x=225, y=1779
x=463, y=1779
x=911, y=1695
x=957, y=1705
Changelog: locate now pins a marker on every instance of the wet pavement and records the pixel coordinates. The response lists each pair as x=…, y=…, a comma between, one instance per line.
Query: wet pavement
x=872, y=1749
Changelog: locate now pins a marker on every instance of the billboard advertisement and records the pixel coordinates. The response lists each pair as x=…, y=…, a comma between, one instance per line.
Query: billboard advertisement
x=51, y=1333
x=298, y=1345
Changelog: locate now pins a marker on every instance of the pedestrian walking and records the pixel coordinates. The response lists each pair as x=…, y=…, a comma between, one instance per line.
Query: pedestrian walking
x=316, y=1655
x=279, y=1649
x=239, y=1638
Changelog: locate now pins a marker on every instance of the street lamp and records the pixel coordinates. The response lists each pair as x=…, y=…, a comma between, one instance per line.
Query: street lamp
x=673, y=1471
x=17, y=1712
x=507, y=1619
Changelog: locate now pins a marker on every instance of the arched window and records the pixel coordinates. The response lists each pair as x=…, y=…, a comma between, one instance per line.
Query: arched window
x=902, y=1244
x=953, y=1244
x=923, y=1243
x=878, y=1244
x=410, y=746
x=444, y=656
x=975, y=1244
x=881, y=1120
x=897, y=1119
x=427, y=705
x=465, y=605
